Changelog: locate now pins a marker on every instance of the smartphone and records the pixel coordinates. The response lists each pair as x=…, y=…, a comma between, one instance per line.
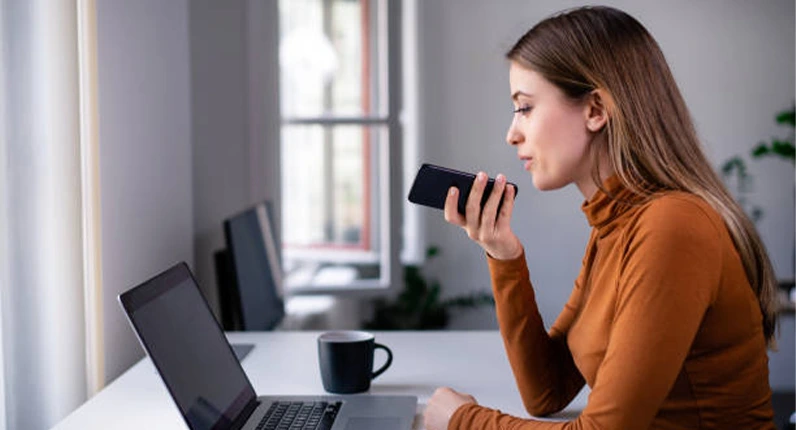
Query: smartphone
x=431, y=185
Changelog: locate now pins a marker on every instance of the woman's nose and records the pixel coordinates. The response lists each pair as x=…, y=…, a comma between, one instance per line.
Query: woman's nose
x=513, y=136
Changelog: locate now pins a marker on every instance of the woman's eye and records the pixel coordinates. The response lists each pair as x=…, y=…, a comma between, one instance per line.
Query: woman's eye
x=523, y=109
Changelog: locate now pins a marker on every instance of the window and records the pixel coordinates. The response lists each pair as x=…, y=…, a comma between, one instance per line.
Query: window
x=340, y=151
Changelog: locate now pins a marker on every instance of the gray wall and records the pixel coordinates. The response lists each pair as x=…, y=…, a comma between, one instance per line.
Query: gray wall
x=234, y=85
x=733, y=62
x=186, y=110
x=220, y=126
x=145, y=154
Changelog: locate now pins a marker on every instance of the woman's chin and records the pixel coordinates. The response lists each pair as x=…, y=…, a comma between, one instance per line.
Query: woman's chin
x=543, y=183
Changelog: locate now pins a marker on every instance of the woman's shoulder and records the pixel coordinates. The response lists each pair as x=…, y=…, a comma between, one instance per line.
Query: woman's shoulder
x=678, y=204
x=677, y=211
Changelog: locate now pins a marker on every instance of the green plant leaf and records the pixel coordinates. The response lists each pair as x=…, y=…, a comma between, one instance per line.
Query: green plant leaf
x=418, y=305
x=787, y=117
x=757, y=214
x=471, y=300
x=760, y=150
x=734, y=164
x=735, y=173
x=432, y=298
x=783, y=148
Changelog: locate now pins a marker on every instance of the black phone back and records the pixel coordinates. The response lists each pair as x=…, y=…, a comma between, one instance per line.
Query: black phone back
x=432, y=182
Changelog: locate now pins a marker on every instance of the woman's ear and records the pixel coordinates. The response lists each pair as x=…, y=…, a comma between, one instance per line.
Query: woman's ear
x=597, y=110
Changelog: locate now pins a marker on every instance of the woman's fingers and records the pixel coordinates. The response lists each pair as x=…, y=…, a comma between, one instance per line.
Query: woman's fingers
x=507, y=209
x=441, y=407
x=490, y=229
x=452, y=214
x=473, y=207
x=490, y=208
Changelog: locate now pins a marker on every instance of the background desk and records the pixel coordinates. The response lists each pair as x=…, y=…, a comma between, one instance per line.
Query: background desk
x=285, y=362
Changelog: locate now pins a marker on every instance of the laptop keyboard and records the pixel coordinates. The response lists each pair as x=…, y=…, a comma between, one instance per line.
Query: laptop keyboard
x=300, y=416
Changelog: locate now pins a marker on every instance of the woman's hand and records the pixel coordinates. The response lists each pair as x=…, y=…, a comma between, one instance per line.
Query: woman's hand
x=441, y=407
x=490, y=231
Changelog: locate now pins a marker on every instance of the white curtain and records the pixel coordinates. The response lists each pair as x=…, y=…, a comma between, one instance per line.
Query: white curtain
x=3, y=211
x=49, y=282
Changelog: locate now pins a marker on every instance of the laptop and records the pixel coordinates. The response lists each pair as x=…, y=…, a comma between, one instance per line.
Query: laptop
x=196, y=362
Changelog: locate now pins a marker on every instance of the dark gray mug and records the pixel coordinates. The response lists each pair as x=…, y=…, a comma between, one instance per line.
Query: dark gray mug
x=346, y=360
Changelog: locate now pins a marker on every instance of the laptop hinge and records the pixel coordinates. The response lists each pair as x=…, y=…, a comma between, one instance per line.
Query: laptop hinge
x=243, y=417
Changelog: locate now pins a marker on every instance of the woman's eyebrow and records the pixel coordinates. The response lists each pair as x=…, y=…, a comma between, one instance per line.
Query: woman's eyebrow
x=519, y=93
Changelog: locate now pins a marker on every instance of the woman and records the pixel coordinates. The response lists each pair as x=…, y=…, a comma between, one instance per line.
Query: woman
x=669, y=319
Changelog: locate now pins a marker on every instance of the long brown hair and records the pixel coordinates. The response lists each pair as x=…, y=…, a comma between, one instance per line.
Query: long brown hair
x=652, y=143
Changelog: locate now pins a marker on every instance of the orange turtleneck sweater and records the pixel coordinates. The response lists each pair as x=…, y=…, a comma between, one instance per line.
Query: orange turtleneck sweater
x=661, y=324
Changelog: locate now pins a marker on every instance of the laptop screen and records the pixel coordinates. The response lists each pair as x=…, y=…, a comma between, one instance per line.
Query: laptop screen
x=186, y=344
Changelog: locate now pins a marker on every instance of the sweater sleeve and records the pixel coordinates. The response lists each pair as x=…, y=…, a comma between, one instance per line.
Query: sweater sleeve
x=669, y=274
x=541, y=362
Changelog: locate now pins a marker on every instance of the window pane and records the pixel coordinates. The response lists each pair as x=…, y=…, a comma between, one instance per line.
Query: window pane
x=327, y=57
x=330, y=184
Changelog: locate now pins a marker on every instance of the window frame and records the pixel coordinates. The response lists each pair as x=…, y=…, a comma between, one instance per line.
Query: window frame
x=391, y=172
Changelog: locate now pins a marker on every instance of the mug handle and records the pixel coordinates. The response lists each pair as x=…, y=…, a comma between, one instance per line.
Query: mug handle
x=387, y=364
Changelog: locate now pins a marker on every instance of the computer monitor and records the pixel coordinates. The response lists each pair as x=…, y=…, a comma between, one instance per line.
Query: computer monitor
x=254, y=255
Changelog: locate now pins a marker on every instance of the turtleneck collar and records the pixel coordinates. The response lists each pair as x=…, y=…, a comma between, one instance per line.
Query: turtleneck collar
x=602, y=207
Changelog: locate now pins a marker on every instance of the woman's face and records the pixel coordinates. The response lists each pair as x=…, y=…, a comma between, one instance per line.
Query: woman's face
x=549, y=131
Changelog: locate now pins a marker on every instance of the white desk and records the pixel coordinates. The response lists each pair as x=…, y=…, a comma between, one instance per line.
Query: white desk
x=285, y=362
